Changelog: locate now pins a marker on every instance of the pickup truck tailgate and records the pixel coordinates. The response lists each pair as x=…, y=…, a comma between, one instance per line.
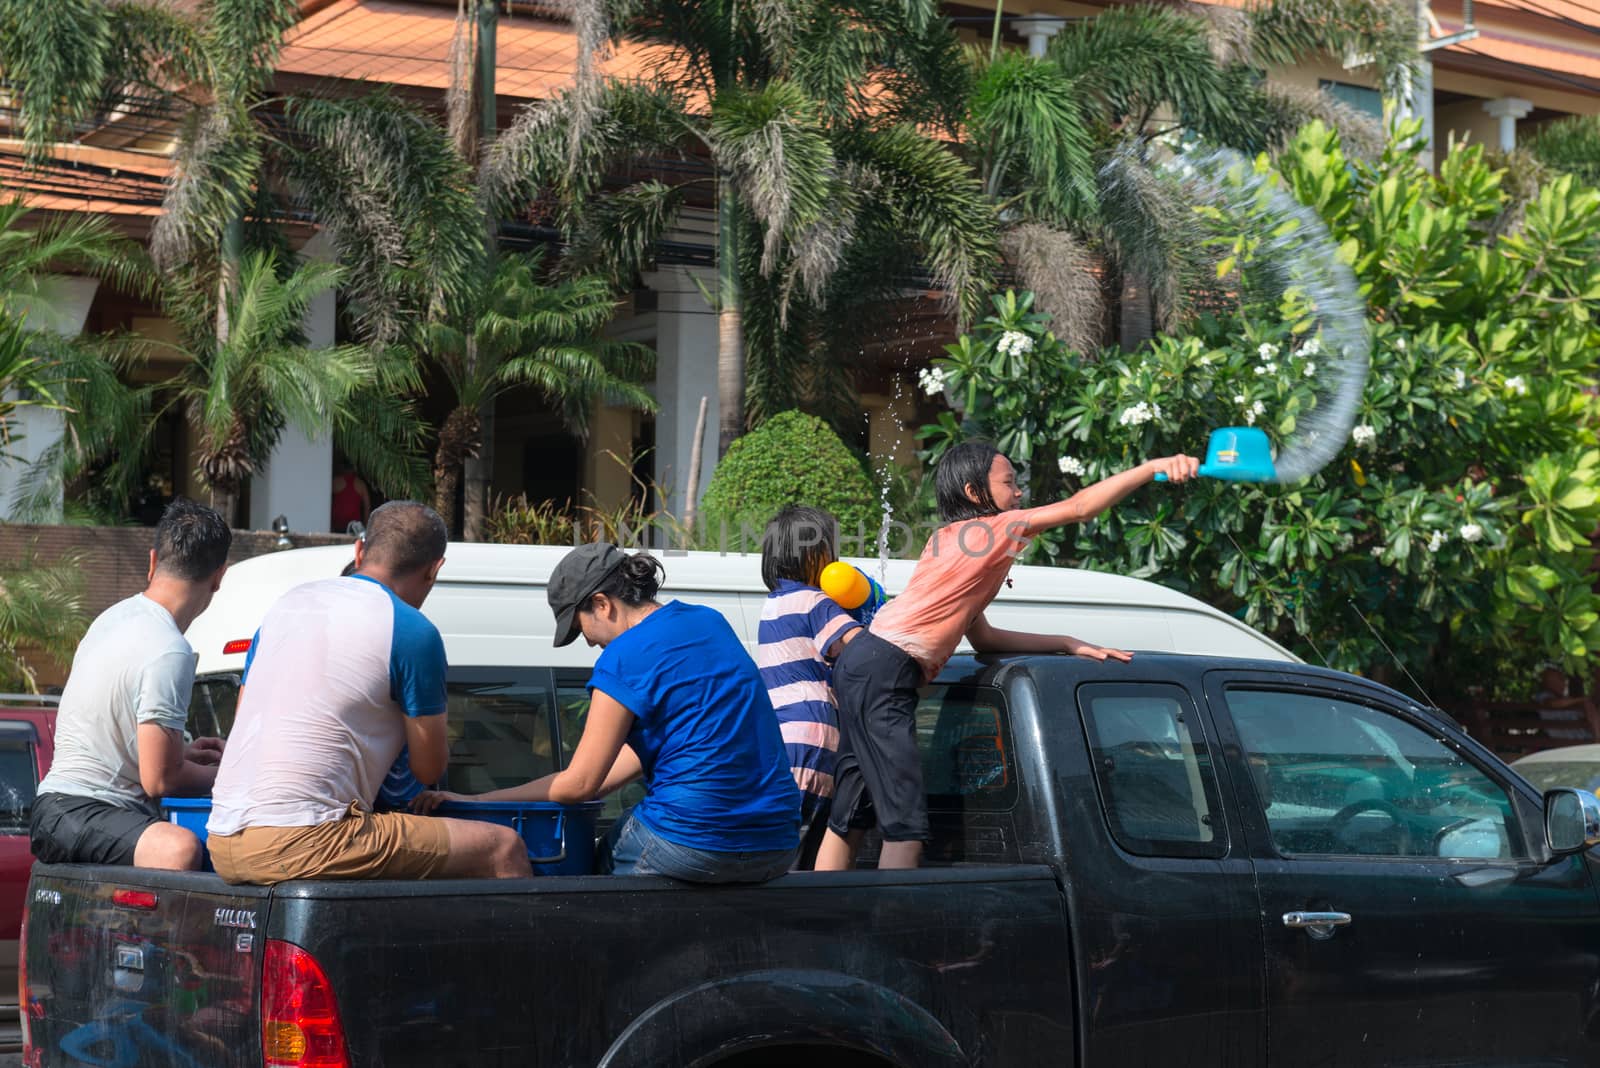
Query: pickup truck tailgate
x=133, y=967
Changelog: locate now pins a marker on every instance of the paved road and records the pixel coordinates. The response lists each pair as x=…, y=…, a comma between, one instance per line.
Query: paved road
x=10, y=1060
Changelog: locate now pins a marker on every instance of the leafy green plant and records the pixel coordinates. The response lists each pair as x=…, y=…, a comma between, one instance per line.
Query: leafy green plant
x=41, y=614
x=1454, y=528
x=792, y=458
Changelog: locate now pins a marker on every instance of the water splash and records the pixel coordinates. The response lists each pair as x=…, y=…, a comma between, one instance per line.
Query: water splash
x=1296, y=252
x=885, y=474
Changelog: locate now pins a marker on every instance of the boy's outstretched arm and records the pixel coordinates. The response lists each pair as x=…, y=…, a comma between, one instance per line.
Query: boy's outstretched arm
x=990, y=639
x=1092, y=500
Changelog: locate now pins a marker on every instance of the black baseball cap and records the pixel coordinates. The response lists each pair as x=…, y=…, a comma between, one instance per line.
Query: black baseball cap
x=575, y=579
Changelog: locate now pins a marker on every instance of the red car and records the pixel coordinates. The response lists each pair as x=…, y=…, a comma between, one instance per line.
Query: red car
x=27, y=743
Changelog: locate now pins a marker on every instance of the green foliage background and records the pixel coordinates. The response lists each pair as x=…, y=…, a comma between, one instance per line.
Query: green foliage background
x=792, y=458
x=1455, y=525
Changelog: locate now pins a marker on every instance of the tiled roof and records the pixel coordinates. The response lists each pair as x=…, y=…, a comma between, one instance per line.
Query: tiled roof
x=409, y=44
x=1542, y=42
x=79, y=178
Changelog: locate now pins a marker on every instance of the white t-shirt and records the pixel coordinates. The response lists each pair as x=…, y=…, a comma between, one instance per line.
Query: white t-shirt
x=133, y=666
x=332, y=674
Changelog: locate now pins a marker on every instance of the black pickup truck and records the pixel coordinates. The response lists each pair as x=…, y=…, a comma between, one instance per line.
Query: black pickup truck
x=1177, y=861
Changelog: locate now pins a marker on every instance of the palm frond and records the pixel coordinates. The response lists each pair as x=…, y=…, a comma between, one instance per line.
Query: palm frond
x=772, y=143
x=1025, y=122
x=1149, y=226
x=1128, y=62
x=926, y=193
x=219, y=155
x=1360, y=134
x=1285, y=32
x=54, y=57
x=42, y=610
x=1063, y=275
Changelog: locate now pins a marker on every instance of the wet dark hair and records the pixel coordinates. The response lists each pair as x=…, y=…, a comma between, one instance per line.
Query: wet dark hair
x=192, y=541
x=349, y=569
x=405, y=537
x=798, y=543
x=634, y=582
x=966, y=465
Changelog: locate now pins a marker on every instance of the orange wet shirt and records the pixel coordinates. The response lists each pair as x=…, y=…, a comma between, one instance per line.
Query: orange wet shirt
x=961, y=569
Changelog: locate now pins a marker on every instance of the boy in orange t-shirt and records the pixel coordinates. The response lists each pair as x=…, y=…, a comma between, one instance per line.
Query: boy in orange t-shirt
x=876, y=677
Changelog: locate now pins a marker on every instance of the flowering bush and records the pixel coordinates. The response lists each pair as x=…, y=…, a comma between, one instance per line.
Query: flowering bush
x=1456, y=524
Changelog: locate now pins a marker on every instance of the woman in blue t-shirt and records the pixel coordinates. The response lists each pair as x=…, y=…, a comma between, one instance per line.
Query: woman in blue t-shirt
x=676, y=701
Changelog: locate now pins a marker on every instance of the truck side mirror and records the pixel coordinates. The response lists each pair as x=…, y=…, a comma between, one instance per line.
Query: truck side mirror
x=1571, y=820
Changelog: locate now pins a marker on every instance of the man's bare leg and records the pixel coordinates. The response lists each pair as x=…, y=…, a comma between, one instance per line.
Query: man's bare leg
x=484, y=851
x=166, y=845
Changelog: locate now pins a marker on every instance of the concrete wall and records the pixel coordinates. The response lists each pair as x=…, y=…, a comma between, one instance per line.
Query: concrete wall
x=686, y=370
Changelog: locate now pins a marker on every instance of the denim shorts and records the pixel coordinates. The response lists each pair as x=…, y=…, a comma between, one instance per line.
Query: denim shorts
x=637, y=850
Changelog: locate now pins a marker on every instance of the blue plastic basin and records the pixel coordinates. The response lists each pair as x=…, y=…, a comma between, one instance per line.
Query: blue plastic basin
x=560, y=838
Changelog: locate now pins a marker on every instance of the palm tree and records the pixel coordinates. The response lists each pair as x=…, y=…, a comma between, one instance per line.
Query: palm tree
x=829, y=188
x=209, y=64
x=399, y=200
x=1066, y=145
x=40, y=366
x=241, y=390
x=523, y=331
x=41, y=613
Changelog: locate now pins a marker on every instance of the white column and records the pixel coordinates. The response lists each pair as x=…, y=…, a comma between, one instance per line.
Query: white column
x=1038, y=29
x=61, y=306
x=1508, y=109
x=686, y=370
x=297, y=480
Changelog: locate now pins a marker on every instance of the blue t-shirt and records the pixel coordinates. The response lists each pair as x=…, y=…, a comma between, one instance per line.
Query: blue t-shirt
x=715, y=771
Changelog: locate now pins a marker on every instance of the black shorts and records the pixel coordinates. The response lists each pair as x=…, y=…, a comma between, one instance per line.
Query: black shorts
x=68, y=829
x=876, y=684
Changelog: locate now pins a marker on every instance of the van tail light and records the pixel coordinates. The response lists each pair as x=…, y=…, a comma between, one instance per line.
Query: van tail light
x=238, y=645
x=299, y=1015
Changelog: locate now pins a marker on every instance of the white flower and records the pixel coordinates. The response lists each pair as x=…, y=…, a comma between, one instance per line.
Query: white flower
x=1516, y=385
x=1249, y=417
x=931, y=379
x=1142, y=412
x=1267, y=350
x=1268, y=368
x=1238, y=398
x=1205, y=359
x=1363, y=435
x=1400, y=343
x=1311, y=370
x=1312, y=347
x=1460, y=377
x=1259, y=408
x=1071, y=465
x=1379, y=550
x=1471, y=532
x=1015, y=343
x=1436, y=540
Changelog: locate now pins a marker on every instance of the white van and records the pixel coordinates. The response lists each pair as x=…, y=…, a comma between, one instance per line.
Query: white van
x=511, y=687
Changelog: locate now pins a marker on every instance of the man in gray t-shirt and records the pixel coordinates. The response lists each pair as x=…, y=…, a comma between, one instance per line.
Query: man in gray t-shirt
x=119, y=727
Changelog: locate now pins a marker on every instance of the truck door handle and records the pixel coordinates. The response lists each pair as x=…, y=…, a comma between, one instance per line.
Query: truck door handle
x=1317, y=924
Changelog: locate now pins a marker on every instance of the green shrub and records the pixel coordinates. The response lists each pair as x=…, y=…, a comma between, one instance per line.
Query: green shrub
x=792, y=458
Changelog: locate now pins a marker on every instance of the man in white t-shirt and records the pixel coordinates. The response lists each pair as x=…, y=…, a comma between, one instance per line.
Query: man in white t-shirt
x=119, y=727
x=344, y=674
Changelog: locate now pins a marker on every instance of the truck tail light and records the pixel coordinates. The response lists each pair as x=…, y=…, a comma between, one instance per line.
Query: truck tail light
x=299, y=1015
x=30, y=1056
x=238, y=645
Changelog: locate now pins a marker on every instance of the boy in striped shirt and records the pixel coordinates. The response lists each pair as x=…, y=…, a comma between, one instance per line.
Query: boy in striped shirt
x=802, y=630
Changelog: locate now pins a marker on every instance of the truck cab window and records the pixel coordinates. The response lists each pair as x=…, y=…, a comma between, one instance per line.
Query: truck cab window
x=19, y=777
x=502, y=727
x=1335, y=777
x=1152, y=768
x=965, y=743
x=212, y=704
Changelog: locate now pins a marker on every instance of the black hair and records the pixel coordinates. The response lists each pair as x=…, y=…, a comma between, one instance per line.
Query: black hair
x=192, y=541
x=634, y=582
x=349, y=569
x=798, y=543
x=405, y=537
x=966, y=465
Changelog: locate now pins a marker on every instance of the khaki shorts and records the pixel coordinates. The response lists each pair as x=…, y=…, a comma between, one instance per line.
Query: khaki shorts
x=359, y=845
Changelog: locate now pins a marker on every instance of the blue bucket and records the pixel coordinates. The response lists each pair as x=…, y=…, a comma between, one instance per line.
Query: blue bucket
x=191, y=814
x=560, y=838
